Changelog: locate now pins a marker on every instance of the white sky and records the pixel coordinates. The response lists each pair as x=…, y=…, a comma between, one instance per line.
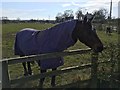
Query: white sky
x=48, y=9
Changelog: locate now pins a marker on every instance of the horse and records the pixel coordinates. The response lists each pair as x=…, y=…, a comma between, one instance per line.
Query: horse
x=55, y=39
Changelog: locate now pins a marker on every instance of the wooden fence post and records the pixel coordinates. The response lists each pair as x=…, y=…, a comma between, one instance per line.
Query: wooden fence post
x=0, y=75
x=94, y=63
x=118, y=40
x=5, y=75
x=112, y=69
x=119, y=52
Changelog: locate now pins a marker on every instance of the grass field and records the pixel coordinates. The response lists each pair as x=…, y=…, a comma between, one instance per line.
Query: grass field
x=16, y=71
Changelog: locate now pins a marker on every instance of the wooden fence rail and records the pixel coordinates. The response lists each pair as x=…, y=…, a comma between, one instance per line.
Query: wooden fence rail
x=6, y=82
x=45, y=56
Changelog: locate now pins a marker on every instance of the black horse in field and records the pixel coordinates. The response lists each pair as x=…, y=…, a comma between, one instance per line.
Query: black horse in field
x=58, y=38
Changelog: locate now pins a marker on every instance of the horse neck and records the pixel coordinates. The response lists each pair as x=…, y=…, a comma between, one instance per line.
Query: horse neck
x=75, y=31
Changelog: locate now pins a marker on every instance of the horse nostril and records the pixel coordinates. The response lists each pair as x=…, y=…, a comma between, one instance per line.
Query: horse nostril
x=98, y=48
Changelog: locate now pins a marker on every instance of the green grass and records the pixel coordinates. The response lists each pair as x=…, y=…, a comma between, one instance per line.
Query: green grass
x=16, y=71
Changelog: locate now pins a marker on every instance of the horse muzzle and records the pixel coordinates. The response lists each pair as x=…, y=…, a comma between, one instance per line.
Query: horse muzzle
x=99, y=49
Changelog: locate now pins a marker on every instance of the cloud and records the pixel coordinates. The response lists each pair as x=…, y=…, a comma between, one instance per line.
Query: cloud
x=66, y=5
x=98, y=4
x=75, y=4
x=39, y=0
x=22, y=10
x=22, y=13
x=91, y=3
x=71, y=4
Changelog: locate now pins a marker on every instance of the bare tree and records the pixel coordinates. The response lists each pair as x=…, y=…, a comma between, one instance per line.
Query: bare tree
x=101, y=15
x=68, y=15
x=59, y=17
x=79, y=14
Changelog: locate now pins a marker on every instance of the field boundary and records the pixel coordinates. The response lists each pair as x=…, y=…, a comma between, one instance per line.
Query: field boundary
x=6, y=82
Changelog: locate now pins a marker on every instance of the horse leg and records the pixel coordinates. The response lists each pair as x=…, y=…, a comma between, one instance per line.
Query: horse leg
x=53, y=78
x=29, y=68
x=42, y=79
x=25, y=69
x=24, y=66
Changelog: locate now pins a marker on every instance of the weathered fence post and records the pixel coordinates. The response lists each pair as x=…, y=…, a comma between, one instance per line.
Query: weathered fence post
x=0, y=75
x=5, y=75
x=118, y=58
x=119, y=40
x=112, y=68
x=94, y=62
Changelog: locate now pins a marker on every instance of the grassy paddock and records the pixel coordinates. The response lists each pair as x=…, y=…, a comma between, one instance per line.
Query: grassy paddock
x=16, y=71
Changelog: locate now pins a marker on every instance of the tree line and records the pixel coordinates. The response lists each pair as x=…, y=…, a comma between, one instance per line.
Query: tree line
x=100, y=15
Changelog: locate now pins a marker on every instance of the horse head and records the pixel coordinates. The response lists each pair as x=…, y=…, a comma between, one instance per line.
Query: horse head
x=87, y=35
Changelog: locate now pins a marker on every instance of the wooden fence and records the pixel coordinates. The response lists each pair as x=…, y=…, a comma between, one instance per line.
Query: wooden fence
x=6, y=82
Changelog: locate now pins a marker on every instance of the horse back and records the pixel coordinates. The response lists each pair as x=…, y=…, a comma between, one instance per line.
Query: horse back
x=24, y=41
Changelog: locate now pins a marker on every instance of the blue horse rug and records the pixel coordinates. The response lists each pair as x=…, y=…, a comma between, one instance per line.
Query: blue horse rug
x=58, y=38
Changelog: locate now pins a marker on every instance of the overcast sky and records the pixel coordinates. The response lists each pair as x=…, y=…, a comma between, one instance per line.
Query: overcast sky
x=48, y=9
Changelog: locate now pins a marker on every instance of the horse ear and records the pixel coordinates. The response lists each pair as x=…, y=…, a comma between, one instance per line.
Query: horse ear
x=85, y=19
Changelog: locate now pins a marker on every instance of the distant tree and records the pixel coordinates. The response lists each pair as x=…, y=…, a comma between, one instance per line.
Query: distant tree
x=100, y=15
x=32, y=20
x=79, y=14
x=59, y=17
x=68, y=15
x=18, y=20
x=5, y=20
